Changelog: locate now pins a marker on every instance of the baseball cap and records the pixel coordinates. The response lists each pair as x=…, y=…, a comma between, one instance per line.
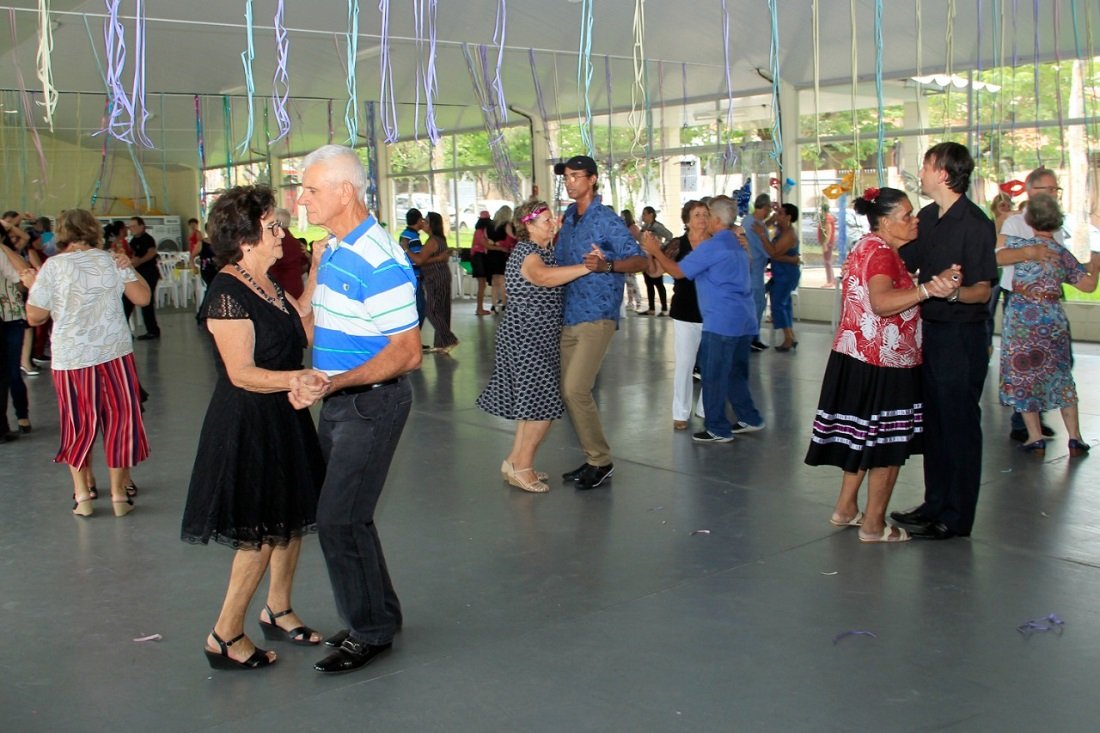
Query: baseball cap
x=576, y=163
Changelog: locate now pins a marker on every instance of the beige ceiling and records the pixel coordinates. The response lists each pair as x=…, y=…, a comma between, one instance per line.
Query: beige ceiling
x=194, y=48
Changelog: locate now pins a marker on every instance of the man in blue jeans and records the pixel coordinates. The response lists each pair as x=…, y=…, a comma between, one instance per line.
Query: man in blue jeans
x=719, y=266
x=365, y=338
x=756, y=233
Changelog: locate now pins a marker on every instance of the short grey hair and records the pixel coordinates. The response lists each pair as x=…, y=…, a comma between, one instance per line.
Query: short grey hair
x=344, y=165
x=1043, y=214
x=725, y=210
x=282, y=216
x=1035, y=175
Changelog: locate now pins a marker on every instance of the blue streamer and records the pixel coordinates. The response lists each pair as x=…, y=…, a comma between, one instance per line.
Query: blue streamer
x=881, y=162
x=386, y=96
x=729, y=156
x=351, y=111
x=584, y=76
x=498, y=39
x=777, y=129
x=246, y=60
x=541, y=103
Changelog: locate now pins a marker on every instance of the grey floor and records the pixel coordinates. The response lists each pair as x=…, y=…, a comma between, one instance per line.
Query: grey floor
x=572, y=611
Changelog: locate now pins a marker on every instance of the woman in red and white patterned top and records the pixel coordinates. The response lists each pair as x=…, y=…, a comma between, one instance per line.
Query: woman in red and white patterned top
x=869, y=415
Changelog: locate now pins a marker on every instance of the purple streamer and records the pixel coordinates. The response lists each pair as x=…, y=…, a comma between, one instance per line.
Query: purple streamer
x=114, y=38
x=1058, y=83
x=684, y=90
x=386, y=97
x=425, y=70
x=280, y=84
x=491, y=117
x=854, y=632
x=729, y=156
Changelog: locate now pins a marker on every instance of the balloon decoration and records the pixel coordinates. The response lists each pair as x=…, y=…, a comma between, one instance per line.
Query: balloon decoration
x=743, y=196
x=910, y=182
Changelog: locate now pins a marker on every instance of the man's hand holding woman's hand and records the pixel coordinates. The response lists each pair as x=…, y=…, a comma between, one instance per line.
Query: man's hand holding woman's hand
x=307, y=386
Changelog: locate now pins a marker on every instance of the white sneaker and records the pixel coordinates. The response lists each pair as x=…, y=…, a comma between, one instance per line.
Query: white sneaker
x=744, y=427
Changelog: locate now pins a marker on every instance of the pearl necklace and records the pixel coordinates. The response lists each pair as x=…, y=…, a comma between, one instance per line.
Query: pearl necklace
x=255, y=286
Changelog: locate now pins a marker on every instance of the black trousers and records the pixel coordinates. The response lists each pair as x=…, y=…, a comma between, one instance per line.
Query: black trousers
x=148, y=312
x=956, y=361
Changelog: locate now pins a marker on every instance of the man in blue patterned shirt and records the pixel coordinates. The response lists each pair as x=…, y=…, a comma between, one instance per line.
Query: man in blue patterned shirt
x=595, y=235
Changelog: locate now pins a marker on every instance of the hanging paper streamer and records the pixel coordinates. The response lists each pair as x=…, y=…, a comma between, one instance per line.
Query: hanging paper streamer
x=386, y=97
x=424, y=11
x=244, y=149
x=115, y=51
x=609, y=164
x=543, y=117
x=881, y=161
x=141, y=179
x=639, y=90
x=45, y=55
x=28, y=107
x=103, y=151
x=483, y=90
x=584, y=77
x=351, y=110
x=854, y=90
x=139, y=114
x=743, y=196
x=163, y=154
x=1056, y=7
x=227, y=129
x=202, y=158
x=729, y=158
x=280, y=84
x=372, y=159
x=498, y=39
x=777, y=127
x=684, y=92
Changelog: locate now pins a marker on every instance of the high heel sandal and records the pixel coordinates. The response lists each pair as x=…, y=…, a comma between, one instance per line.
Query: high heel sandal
x=535, y=487
x=131, y=489
x=83, y=507
x=302, y=635
x=507, y=471
x=222, y=660
x=122, y=507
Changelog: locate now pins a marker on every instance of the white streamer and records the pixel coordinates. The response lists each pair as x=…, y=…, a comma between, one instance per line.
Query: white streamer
x=45, y=53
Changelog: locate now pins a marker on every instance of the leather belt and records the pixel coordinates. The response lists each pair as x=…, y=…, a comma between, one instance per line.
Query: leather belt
x=361, y=388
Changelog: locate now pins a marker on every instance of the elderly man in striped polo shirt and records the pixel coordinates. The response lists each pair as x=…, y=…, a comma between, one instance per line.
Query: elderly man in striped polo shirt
x=366, y=339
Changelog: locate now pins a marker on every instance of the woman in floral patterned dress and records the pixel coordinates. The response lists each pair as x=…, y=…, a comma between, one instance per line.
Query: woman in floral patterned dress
x=1035, y=344
x=869, y=414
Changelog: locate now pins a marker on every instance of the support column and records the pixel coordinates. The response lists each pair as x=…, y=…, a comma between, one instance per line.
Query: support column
x=790, y=160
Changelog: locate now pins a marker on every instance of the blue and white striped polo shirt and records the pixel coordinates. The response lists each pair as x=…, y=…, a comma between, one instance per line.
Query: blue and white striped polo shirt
x=366, y=292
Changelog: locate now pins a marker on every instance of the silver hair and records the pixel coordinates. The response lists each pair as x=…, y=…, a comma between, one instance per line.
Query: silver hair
x=725, y=210
x=1035, y=175
x=343, y=165
x=283, y=217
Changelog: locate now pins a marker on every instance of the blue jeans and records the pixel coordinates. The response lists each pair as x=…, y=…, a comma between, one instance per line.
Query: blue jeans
x=359, y=434
x=724, y=363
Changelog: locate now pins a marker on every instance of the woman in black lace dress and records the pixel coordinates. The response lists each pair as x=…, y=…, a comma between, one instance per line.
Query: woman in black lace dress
x=259, y=469
x=526, y=381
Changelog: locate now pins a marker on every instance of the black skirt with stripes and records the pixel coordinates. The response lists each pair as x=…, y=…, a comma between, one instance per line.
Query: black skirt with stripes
x=867, y=417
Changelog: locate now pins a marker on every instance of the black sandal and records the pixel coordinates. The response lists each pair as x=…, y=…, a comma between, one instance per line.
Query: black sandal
x=222, y=660
x=91, y=490
x=301, y=636
x=131, y=489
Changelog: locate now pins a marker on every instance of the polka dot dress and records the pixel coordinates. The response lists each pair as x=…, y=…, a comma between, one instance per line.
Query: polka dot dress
x=526, y=381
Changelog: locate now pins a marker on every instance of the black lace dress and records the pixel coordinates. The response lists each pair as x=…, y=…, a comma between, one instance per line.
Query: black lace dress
x=258, y=471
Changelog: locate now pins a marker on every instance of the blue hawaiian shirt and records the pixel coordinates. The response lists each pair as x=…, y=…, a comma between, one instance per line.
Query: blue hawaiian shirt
x=599, y=296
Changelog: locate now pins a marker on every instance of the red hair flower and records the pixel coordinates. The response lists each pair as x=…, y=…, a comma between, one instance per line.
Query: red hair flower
x=870, y=194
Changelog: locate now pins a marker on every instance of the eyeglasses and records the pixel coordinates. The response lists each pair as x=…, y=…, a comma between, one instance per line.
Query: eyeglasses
x=580, y=176
x=1056, y=190
x=275, y=228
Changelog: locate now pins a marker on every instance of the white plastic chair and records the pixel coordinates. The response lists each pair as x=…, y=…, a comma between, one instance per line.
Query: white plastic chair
x=168, y=287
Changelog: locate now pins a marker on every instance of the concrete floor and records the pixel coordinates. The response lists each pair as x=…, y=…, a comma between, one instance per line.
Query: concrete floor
x=571, y=611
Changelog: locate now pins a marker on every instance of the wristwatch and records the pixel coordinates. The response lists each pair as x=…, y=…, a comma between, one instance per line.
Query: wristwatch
x=610, y=266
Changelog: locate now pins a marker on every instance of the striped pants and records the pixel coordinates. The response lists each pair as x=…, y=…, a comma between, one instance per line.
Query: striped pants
x=436, y=279
x=101, y=397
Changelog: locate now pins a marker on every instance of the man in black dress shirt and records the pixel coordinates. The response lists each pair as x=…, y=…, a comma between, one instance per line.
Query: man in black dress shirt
x=953, y=231
x=144, y=249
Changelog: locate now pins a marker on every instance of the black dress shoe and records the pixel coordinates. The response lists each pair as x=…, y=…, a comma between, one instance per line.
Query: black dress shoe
x=913, y=517
x=351, y=656
x=594, y=476
x=576, y=473
x=337, y=639
x=934, y=531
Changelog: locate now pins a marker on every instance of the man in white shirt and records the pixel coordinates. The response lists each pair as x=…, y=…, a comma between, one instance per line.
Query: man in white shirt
x=1040, y=180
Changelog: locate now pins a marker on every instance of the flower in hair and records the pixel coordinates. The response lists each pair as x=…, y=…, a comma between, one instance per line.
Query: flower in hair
x=870, y=194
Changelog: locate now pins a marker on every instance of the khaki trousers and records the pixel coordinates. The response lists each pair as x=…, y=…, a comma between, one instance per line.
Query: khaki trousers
x=583, y=348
